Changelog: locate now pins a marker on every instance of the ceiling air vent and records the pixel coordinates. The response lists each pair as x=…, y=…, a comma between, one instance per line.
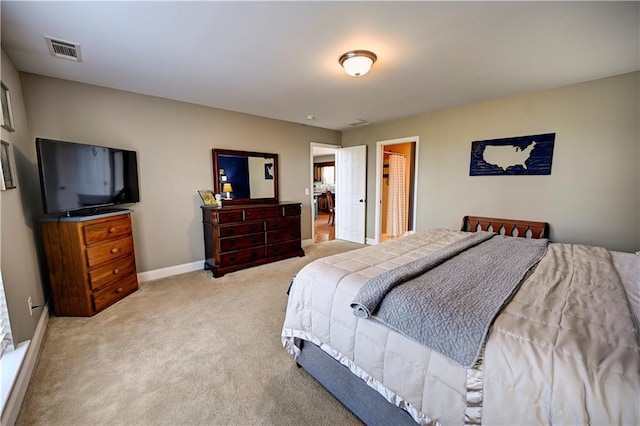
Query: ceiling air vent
x=64, y=49
x=358, y=123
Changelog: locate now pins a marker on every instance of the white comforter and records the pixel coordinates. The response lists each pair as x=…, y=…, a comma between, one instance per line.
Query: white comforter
x=564, y=350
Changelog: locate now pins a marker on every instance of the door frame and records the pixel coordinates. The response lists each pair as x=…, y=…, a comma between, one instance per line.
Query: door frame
x=379, y=171
x=311, y=180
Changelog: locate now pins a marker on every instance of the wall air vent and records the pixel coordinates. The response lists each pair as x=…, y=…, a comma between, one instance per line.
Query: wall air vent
x=64, y=49
x=358, y=123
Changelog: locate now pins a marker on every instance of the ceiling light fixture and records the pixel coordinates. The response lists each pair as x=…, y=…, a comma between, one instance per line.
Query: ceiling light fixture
x=357, y=62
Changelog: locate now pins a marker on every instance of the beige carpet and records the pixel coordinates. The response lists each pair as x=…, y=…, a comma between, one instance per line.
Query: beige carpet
x=188, y=349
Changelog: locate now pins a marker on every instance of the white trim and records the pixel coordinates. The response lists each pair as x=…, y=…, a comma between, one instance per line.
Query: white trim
x=11, y=364
x=26, y=367
x=371, y=242
x=379, y=156
x=170, y=271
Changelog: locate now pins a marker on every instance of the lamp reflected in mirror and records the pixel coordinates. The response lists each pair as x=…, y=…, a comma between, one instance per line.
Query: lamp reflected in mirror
x=226, y=187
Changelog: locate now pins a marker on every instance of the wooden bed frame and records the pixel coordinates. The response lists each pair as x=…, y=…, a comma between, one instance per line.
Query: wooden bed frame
x=366, y=403
x=514, y=228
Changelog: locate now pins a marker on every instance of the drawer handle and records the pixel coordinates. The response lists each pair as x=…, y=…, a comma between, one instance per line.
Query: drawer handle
x=119, y=290
x=116, y=271
x=112, y=230
x=114, y=250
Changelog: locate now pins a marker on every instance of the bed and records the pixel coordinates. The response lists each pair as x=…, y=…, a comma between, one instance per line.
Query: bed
x=562, y=349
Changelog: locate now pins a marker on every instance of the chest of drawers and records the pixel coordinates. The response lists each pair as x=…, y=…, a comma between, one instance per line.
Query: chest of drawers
x=239, y=237
x=91, y=262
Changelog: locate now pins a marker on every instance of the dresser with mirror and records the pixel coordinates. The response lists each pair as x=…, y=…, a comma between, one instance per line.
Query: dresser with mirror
x=252, y=227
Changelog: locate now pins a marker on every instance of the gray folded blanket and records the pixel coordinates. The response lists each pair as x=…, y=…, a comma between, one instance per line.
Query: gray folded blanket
x=376, y=288
x=450, y=305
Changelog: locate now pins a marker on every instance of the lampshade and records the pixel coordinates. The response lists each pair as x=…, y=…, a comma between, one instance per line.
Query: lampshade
x=226, y=187
x=357, y=62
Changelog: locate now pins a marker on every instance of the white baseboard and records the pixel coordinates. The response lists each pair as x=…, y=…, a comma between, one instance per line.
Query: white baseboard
x=371, y=241
x=156, y=274
x=170, y=270
x=16, y=395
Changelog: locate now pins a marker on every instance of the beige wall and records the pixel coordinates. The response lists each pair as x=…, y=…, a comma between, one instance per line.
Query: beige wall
x=174, y=141
x=18, y=216
x=593, y=193
x=592, y=196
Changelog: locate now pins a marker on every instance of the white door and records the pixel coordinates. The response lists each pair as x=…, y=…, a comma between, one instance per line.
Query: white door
x=351, y=192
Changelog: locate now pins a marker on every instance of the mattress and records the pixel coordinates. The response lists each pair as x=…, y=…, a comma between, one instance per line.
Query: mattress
x=564, y=350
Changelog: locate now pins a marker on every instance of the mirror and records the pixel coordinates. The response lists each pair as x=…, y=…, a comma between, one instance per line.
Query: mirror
x=243, y=177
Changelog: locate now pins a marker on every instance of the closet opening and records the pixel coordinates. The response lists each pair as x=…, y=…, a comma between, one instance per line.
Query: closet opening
x=396, y=188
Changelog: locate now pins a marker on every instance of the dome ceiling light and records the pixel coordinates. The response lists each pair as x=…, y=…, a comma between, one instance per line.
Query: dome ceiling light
x=357, y=62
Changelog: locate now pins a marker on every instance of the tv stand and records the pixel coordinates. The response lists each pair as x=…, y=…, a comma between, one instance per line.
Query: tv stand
x=91, y=260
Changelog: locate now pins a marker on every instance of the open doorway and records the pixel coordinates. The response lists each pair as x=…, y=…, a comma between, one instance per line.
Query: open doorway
x=323, y=183
x=396, y=196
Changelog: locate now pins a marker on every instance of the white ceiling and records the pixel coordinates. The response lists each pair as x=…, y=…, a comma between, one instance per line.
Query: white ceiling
x=280, y=59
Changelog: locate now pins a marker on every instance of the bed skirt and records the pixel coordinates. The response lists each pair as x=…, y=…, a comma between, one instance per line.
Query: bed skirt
x=362, y=400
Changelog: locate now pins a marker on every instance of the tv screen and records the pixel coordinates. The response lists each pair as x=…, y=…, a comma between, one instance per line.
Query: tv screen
x=83, y=177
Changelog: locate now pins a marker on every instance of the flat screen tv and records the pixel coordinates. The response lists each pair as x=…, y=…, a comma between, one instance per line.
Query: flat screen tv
x=83, y=179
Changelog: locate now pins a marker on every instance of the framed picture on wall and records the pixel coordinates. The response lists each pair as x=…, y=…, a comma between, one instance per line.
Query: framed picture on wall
x=6, y=167
x=520, y=155
x=6, y=119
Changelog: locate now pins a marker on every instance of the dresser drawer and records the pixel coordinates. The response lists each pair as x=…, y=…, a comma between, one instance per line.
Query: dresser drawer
x=245, y=228
x=228, y=216
x=112, y=250
x=246, y=241
x=114, y=292
x=111, y=229
x=283, y=248
x=283, y=235
x=284, y=223
x=241, y=256
x=103, y=275
x=295, y=210
x=263, y=213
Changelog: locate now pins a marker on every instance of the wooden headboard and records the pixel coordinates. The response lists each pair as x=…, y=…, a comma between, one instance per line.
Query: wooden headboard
x=514, y=228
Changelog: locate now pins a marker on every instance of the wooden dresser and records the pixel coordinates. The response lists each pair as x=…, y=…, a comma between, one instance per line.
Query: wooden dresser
x=91, y=261
x=241, y=236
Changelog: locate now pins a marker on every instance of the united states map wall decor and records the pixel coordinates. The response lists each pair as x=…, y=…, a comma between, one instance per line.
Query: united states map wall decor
x=522, y=155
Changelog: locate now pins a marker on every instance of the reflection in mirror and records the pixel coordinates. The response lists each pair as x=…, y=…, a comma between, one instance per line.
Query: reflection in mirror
x=261, y=177
x=245, y=177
